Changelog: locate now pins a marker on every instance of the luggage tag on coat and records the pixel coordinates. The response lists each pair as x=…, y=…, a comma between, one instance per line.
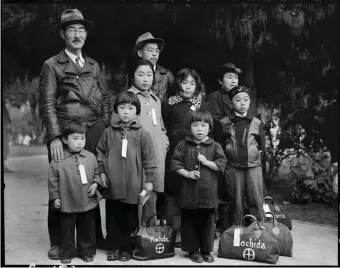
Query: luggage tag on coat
x=124, y=147
x=192, y=108
x=266, y=208
x=237, y=237
x=154, y=118
x=82, y=174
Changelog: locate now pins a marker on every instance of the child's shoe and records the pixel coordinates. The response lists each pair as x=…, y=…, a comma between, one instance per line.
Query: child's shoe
x=65, y=260
x=87, y=258
x=207, y=257
x=112, y=255
x=196, y=257
x=124, y=256
x=54, y=253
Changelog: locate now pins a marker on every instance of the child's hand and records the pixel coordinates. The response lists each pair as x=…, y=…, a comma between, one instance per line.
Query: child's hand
x=202, y=159
x=194, y=174
x=93, y=189
x=57, y=203
x=105, y=182
x=148, y=187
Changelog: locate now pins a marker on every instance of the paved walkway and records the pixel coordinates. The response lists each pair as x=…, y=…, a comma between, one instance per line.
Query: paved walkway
x=26, y=236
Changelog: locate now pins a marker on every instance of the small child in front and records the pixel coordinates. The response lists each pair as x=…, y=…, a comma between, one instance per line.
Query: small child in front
x=198, y=159
x=245, y=141
x=72, y=184
x=124, y=152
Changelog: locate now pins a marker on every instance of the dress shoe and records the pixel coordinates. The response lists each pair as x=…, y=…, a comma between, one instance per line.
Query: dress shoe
x=196, y=257
x=124, y=256
x=207, y=257
x=54, y=253
x=112, y=255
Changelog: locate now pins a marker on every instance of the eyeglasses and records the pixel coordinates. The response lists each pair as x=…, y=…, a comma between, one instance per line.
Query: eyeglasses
x=73, y=31
x=151, y=50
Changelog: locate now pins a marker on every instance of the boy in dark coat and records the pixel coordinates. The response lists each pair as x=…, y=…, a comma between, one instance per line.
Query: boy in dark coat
x=198, y=159
x=72, y=185
x=245, y=142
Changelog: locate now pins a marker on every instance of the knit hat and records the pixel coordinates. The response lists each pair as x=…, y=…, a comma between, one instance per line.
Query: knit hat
x=238, y=89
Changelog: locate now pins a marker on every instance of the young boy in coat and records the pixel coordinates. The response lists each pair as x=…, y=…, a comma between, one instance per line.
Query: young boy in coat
x=245, y=143
x=72, y=185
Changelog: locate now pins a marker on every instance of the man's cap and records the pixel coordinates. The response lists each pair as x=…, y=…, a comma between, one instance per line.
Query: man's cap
x=238, y=89
x=230, y=68
x=73, y=16
x=147, y=38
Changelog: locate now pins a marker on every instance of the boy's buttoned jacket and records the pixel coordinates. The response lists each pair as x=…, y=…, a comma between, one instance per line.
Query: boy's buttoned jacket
x=66, y=93
x=200, y=193
x=158, y=132
x=126, y=175
x=163, y=82
x=64, y=182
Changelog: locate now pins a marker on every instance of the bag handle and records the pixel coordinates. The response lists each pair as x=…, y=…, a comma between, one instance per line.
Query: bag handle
x=270, y=199
x=252, y=217
x=273, y=218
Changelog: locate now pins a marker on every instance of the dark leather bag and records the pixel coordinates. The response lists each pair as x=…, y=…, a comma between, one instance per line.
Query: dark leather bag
x=281, y=233
x=153, y=242
x=279, y=215
x=252, y=243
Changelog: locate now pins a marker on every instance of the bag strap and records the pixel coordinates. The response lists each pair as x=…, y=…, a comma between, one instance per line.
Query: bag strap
x=154, y=215
x=252, y=217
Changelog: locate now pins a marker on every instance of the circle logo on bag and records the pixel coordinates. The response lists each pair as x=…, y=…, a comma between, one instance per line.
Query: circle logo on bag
x=249, y=254
x=160, y=248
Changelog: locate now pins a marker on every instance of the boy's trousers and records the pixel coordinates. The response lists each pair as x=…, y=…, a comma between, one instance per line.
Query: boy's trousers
x=122, y=220
x=197, y=229
x=245, y=182
x=84, y=222
x=53, y=221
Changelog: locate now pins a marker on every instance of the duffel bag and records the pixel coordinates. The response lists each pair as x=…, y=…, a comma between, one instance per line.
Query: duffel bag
x=281, y=233
x=153, y=242
x=282, y=217
x=250, y=243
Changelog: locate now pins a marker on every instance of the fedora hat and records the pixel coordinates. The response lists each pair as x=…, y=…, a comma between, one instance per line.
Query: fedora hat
x=230, y=67
x=147, y=38
x=73, y=16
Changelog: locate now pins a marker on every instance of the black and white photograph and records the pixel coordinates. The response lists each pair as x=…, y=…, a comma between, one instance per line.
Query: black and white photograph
x=169, y=133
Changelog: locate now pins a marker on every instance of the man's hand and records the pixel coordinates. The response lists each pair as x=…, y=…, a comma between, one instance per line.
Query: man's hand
x=202, y=159
x=93, y=189
x=194, y=174
x=57, y=203
x=57, y=149
x=105, y=182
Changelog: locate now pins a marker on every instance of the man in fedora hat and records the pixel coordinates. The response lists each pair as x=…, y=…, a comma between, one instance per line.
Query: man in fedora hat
x=149, y=48
x=71, y=88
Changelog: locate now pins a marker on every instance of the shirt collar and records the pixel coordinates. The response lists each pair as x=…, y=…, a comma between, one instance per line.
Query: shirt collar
x=67, y=153
x=137, y=91
x=191, y=139
x=73, y=57
x=240, y=115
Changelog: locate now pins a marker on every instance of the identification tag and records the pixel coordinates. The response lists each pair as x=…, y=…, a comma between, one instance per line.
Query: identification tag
x=124, y=147
x=82, y=174
x=192, y=108
x=237, y=235
x=154, y=118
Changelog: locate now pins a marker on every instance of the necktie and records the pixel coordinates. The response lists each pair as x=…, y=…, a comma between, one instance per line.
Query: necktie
x=78, y=64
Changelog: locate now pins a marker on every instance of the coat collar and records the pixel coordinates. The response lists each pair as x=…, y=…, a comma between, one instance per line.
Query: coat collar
x=196, y=102
x=160, y=71
x=132, y=124
x=81, y=153
x=137, y=91
x=190, y=139
x=233, y=116
x=71, y=67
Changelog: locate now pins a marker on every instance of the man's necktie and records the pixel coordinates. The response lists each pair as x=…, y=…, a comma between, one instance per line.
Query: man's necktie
x=78, y=64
